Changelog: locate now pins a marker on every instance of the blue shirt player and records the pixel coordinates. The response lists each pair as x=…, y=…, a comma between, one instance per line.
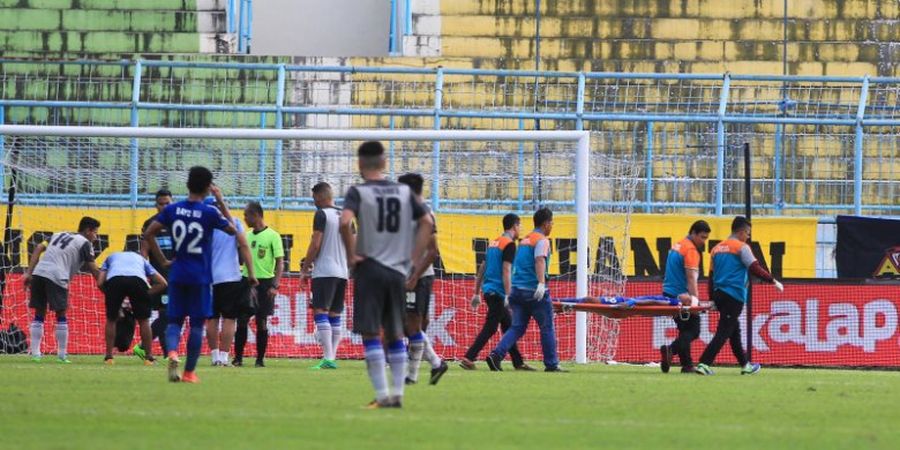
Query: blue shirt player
x=192, y=223
x=529, y=297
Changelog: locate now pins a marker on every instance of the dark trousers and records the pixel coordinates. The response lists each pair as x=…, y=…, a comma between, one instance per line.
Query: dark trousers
x=688, y=331
x=728, y=329
x=263, y=309
x=497, y=314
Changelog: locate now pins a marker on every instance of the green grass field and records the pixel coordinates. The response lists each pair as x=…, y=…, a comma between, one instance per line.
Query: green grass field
x=89, y=405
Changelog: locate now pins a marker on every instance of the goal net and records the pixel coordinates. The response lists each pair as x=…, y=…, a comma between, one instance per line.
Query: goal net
x=472, y=179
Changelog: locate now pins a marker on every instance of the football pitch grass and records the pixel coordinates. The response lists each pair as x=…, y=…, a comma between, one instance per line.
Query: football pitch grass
x=285, y=405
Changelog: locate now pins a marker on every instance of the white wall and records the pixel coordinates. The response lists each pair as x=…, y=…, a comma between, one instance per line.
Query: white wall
x=321, y=27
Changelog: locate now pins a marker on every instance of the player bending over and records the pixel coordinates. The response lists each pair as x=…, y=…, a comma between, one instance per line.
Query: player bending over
x=418, y=300
x=192, y=223
x=124, y=275
x=386, y=214
x=49, y=277
x=229, y=288
x=326, y=264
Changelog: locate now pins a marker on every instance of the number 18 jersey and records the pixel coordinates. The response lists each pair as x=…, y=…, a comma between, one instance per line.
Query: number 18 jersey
x=386, y=229
x=192, y=225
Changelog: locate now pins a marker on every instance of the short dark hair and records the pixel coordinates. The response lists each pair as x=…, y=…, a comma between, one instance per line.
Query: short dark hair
x=510, y=220
x=700, y=226
x=739, y=223
x=163, y=193
x=88, y=223
x=370, y=149
x=256, y=208
x=321, y=188
x=542, y=216
x=414, y=181
x=371, y=155
x=199, y=179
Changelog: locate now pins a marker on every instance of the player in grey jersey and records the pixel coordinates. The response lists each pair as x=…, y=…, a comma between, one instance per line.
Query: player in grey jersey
x=64, y=255
x=418, y=300
x=326, y=264
x=386, y=214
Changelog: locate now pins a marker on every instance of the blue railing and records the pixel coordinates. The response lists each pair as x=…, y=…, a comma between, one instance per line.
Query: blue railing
x=722, y=108
x=240, y=22
x=400, y=25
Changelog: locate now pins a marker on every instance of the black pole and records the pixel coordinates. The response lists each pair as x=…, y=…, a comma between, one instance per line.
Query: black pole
x=5, y=259
x=748, y=203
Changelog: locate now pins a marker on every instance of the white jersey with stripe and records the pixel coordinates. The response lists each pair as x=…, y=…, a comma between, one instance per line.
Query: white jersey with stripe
x=331, y=262
x=65, y=254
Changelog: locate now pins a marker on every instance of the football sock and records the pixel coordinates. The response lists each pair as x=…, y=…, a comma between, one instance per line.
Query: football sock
x=416, y=348
x=195, y=341
x=240, y=339
x=223, y=357
x=323, y=334
x=37, y=334
x=262, y=341
x=336, y=332
x=62, y=337
x=214, y=355
x=430, y=355
x=397, y=360
x=173, y=334
x=375, y=366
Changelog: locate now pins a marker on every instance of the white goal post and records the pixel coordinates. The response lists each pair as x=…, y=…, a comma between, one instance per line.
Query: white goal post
x=581, y=139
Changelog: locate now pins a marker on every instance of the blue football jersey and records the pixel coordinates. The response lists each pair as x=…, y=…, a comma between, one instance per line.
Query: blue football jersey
x=192, y=225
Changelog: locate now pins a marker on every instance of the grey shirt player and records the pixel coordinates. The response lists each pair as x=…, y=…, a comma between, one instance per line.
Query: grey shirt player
x=385, y=240
x=386, y=213
x=65, y=255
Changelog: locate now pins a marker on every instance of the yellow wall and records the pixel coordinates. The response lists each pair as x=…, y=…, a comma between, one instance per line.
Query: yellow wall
x=457, y=232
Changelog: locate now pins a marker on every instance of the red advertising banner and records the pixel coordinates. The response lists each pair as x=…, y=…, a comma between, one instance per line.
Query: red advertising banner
x=810, y=324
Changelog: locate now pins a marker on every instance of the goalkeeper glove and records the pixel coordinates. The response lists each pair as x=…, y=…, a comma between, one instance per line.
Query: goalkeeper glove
x=476, y=299
x=778, y=285
x=540, y=291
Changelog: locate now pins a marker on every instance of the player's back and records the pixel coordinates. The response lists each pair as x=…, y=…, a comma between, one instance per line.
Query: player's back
x=65, y=254
x=192, y=225
x=331, y=261
x=127, y=264
x=226, y=264
x=385, y=213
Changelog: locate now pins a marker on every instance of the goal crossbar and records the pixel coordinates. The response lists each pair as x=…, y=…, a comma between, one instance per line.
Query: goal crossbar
x=580, y=138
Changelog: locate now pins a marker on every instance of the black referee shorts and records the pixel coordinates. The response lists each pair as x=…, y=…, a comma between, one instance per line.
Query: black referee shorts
x=378, y=300
x=328, y=293
x=116, y=289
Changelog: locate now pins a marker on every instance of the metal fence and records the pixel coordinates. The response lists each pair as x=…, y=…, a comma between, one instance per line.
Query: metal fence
x=821, y=145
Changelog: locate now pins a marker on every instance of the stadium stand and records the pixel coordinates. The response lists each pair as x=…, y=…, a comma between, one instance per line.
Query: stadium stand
x=826, y=38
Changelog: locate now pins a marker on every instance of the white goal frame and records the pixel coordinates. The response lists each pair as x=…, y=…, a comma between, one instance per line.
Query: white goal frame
x=580, y=138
